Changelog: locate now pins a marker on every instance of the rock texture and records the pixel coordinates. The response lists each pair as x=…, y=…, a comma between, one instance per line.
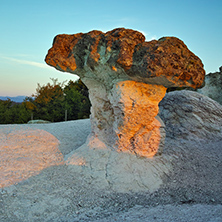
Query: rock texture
x=191, y=116
x=213, y=86
x=123, y=53
x=127, y=78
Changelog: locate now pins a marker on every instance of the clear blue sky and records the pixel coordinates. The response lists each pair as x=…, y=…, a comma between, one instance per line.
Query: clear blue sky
x=28, y=28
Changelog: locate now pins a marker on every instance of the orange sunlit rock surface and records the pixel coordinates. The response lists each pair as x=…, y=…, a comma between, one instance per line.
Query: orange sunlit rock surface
x=137, y=130
x=166, y=61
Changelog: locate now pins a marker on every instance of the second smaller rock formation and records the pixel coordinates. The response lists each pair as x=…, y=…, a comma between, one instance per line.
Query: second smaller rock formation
x=213, y=86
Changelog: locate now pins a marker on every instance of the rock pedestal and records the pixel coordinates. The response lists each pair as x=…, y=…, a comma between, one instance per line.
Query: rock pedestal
x=124, y=117
x=127, y=78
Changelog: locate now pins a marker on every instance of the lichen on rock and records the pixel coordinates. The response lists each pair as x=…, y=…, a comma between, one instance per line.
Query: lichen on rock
x=127, y=78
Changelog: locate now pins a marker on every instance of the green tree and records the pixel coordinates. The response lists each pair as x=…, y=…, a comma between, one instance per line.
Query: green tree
x=5, y=112
x=77, y=100
x=73, y=100
x=11, y=112
x=48, y=103
x=20, y=114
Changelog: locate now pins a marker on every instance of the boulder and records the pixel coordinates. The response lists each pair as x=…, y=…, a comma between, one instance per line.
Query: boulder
x=191, y=116
x=127, y=78
x=213, y=86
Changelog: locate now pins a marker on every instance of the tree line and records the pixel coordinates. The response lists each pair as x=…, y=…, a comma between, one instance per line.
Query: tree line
x=50, y=102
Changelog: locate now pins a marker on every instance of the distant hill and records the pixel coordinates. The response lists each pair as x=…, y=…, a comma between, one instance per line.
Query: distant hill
x=17, y=99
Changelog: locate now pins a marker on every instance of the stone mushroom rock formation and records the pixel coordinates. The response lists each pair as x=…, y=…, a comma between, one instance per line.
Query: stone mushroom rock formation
x=127, y=78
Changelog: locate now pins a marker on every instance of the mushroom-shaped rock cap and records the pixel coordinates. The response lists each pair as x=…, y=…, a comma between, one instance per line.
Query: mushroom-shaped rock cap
x=123, y=54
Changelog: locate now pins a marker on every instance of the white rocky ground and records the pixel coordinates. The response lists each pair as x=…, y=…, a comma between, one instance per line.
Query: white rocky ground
x=52, y=190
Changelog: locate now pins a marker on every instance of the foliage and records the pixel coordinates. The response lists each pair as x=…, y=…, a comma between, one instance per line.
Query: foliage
x=49, y=102
x=77, y=101
x=11, y=112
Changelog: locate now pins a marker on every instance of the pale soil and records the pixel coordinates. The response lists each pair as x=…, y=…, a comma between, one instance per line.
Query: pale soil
x=49, y=190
